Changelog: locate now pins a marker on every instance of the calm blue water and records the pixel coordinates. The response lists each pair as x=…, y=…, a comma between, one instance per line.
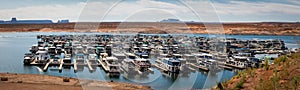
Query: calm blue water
x=14, y=45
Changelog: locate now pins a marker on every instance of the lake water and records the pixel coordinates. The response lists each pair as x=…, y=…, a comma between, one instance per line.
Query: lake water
x=14, y=45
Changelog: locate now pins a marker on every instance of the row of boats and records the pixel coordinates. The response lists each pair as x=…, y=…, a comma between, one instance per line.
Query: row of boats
x=139, y=54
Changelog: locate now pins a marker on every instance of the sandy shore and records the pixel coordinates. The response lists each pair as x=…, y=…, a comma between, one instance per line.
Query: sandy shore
x=257, y=28
x=46, y=82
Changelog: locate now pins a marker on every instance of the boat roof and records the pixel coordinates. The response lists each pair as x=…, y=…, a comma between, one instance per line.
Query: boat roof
x=145, y=47
x=141, y=59
x=79, y=46
x=175, y=45
x=164, y=54
x=27, y=58
x=79, y=54
x=240, y=57
x=67, y=58
x=111, y=58
x=206, y=54
x=202, y=54
x=104, y=54
x=119, y=54
x=211, y=60
x=261, y=56
x=41, y=52
x=92, y=54
x=188, y=55
x=128, y=60
x=177, y=55
x=171, y=59
x=41, y=48
x=90, y=47
x=130, y=54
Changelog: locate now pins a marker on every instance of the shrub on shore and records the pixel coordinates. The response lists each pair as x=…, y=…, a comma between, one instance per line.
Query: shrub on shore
x=267, y=66
x=280, y=60
x=66, y=79
x=4, y=79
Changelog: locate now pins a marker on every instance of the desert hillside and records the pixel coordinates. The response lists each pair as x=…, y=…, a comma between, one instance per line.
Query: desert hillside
x=284, y=74
x=264, y=28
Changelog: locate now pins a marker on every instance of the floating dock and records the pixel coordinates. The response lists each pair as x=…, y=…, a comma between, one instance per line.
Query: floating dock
x=61, y=65
x=75, y=66
x=47, y=65
x=225, y=67
x=234, y=66
x=157, y=66
x=103, y=65
x=199, y=67
x=89, y=65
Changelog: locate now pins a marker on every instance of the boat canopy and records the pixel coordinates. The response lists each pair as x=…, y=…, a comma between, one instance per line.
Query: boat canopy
x=171, y=61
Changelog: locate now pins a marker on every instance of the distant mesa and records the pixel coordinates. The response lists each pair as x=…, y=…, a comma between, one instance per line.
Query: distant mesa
x=170, y=20
x=15, y=21
x=63, y=21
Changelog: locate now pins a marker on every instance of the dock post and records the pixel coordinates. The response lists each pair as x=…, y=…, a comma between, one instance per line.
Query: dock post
x=61, y=64
x=75, y=66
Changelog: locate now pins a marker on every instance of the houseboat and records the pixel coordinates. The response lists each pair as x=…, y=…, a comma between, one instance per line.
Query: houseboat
x=142, y=64
x=79, y=61
x=52, y=50
x=119, y=55
x=67, y=59
x=34, y=48
x=128, y=68
x=239, y=62
x=28, y=58
x=42, y=55
x=110, y=64
x=171, y=65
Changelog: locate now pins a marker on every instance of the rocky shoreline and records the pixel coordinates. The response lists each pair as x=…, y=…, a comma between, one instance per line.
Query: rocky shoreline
x=12, y=81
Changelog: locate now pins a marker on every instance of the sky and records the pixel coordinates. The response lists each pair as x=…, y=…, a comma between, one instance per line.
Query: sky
x=153, y=10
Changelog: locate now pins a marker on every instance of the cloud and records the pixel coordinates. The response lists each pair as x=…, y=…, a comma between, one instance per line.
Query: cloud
x=294, y=2
x=256, y=8
x=53, y=12
x=150, y=10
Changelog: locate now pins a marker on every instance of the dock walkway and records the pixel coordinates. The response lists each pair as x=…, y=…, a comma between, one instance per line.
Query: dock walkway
x=47, y=65
x=89, y=65
x=200, y=67
x=61, y=65
x=103, y=65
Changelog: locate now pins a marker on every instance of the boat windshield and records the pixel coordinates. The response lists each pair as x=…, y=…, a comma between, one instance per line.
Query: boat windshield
x=92, y=57
x=175, y=63
x=206, y=57
x=112, y=62
x=131, y=57
x=144, y=63
x=178, y=56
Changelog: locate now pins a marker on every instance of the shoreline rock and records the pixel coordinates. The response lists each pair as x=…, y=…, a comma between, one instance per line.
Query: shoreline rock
x=46, y=82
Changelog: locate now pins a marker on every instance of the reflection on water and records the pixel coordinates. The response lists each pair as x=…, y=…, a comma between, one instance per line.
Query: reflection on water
x=14, y=45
